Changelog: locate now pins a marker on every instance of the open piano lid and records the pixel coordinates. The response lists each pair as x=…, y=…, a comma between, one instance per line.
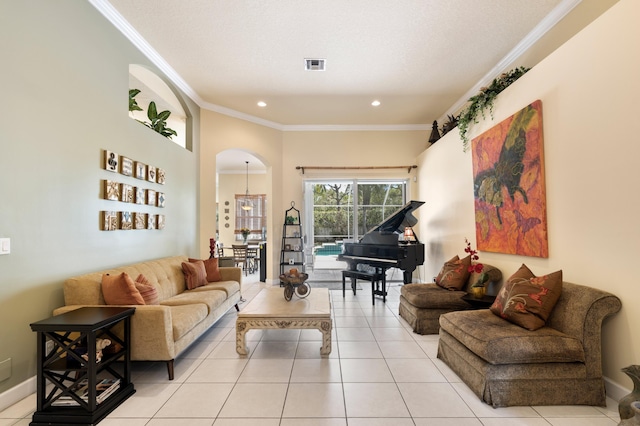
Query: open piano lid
x=393, y=224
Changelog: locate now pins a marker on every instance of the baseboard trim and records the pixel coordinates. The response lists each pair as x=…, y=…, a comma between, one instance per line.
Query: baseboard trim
x=615, y=390
x=17, y=393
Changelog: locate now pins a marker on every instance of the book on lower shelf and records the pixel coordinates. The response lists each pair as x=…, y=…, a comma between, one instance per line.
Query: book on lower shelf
x=104, y=389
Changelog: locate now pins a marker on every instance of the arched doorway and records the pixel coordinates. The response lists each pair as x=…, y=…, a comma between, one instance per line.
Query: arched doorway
x=235, y=178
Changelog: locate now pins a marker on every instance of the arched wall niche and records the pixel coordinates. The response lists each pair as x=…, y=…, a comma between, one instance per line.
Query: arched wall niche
x=153, y=88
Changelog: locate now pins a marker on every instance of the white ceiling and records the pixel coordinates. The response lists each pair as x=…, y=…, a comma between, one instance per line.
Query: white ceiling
x=421, y=58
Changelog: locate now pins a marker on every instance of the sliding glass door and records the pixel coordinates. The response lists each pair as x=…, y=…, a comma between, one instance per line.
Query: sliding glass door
x=339, y=211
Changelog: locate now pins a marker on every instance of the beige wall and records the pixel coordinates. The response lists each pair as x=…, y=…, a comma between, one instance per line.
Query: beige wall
x=64, y=92
x=589, y=88
x=219, y=133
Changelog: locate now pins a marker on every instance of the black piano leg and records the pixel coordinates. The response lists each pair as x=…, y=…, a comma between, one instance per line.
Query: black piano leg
x=408, y=277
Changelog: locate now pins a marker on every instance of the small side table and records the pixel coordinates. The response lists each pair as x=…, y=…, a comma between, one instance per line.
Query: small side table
x=483, y=303
x=62, y=368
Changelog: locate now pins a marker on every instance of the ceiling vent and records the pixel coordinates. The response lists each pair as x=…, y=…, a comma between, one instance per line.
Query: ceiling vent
x=314, y=64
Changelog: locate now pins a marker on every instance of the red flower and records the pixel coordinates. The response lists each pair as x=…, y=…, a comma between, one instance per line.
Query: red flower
x=478, y=267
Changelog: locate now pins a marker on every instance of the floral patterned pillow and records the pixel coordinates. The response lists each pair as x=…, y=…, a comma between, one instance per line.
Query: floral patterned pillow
x=454, y=274
x=527, y=300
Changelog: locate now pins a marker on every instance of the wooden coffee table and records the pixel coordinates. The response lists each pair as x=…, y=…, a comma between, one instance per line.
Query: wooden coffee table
x=269, y=310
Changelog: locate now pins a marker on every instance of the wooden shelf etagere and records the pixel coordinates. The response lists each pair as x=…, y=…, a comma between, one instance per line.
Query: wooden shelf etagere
x=292, y=250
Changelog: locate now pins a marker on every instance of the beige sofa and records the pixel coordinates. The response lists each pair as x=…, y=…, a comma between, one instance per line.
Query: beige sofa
x=161, y=332
x=558, y=364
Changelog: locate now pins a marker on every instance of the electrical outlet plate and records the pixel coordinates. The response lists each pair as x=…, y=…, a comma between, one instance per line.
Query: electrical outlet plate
x=5, y=245
x=49, y=347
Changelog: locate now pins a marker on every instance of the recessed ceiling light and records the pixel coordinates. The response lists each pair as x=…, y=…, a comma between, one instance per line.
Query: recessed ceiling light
x=375, y=103
x=262, y=104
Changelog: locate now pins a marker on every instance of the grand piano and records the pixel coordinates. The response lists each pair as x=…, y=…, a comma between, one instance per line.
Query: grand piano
x=382, y=248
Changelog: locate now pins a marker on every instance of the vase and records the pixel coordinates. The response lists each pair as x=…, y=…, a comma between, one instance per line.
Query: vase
x=478, y=292
x=625, y=408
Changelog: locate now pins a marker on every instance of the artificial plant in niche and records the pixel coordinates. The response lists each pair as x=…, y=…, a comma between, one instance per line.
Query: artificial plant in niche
x=483, y=100
x=158, y=120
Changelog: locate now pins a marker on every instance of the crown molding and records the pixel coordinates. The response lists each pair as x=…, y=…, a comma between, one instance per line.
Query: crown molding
x=121, y=24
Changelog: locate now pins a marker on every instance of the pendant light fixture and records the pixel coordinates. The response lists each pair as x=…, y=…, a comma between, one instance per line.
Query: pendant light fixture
x=246, y=203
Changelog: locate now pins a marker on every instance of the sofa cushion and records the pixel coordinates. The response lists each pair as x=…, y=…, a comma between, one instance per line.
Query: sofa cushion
x=147, y=290
x=120, y=290
x=212, y=298
x=528, y=300
x=454, y=273
x=229, y=287
x=211, y=267
x=185, y=317
x=500, y=342
x=432, y=296
x=195, y=274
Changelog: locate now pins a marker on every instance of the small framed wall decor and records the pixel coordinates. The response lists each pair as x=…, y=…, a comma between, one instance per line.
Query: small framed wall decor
x=139, y=220
x=151, y=221
x=151, y=174
x=126, y=193
x=126, y=166
x=140, y=195
x=111, y=161
x=126, y=221
x=160, y=176
x=109, y=221
x=141, y=170
x=160, y=221
x=111, y=190
x=161, y=199
x=151, y=197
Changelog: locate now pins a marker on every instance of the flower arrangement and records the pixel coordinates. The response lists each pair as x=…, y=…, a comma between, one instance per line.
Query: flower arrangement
x=477, y=267
x=245, y=233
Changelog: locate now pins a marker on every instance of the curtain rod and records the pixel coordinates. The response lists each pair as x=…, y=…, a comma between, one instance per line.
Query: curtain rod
x=356, y=168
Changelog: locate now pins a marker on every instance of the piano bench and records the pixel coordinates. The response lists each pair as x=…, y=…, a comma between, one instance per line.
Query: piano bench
x=375, y=277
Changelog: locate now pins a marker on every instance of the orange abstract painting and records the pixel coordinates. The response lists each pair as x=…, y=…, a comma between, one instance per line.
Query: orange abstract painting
x=509, y=187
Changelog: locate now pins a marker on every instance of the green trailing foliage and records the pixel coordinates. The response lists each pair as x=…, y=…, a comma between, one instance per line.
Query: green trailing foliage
x=484, y=100
x=158, y=120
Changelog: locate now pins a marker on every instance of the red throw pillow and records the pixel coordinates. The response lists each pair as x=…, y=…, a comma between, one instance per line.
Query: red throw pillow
x=454, y=274
x=120, y=290
x=195, y=274
x=527, y=300
x=147, y=290
x=211, y=266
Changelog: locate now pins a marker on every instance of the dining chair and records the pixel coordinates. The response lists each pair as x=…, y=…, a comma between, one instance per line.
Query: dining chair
x=252, y=258
x=240, y=256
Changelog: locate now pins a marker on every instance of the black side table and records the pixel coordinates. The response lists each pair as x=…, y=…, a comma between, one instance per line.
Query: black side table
x=62, y=368
x=483, y=303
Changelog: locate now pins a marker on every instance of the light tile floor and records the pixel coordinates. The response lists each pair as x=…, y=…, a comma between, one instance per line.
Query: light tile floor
x=379, y=373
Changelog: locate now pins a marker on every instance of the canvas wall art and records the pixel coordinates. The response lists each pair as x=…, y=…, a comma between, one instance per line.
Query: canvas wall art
x=111, y=161
x=509, y=186
x=109, y=221
x=126, y=166
x=126, y=220
x=111, y=190
x=126, y=193
x=139, y=220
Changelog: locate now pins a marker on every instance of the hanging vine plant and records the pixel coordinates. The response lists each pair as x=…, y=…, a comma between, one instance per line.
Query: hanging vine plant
x=479, y=103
